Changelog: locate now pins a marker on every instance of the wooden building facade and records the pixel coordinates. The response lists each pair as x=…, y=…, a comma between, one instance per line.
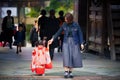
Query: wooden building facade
x=100, y=21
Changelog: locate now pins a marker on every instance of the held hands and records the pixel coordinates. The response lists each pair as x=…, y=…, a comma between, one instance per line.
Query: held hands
x=50, y=41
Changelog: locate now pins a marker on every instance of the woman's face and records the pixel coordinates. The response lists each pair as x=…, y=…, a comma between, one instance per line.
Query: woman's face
x=69, y=18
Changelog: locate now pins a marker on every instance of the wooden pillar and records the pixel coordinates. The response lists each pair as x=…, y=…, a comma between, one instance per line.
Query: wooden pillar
x=76, y=10
x=18, y=11
x=82, y=16
x=22, y=15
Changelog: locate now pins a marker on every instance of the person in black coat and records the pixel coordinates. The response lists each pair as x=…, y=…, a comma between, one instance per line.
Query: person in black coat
x=43, y=24
x=7, y=29
x=53, y=26
x=34, y=34
x=61, y=20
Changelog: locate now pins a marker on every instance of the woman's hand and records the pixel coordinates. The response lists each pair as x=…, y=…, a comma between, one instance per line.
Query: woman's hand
x=82, y=46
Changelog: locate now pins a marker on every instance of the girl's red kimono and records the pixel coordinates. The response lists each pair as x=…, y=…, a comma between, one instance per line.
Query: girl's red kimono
x=40, y=60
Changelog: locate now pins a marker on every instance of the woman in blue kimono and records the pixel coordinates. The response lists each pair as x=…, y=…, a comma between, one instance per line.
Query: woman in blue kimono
x=73, y=40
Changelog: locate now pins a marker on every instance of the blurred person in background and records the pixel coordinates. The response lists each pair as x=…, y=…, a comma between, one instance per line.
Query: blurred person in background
x=19, y=38
x=8, y=29
x=53, y=26
x=43, y=24
x=34, y=34
x=61, y=20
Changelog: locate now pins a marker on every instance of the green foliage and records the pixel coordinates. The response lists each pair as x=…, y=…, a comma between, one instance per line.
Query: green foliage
x=29, y=26
x=57, y=5
x=34, y=12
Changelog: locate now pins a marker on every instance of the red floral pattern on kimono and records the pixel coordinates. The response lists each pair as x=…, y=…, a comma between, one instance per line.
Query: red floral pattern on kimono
x=1, y=44
x=40, y=60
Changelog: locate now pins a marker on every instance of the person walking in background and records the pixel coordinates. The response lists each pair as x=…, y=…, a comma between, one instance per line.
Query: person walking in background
x=23, y=23
x=53, y=26
x=61, y=21
x=61, y=17
x=8, y=29
x=73, y=39
x=43, y=24
x=24, y=29
x=34, y=33
x=19, y=38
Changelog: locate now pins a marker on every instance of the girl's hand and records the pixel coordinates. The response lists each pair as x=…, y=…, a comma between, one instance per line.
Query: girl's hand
x=50, y=41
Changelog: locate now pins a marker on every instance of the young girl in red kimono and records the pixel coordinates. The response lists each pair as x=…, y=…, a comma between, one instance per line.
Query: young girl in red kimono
x=40, y=59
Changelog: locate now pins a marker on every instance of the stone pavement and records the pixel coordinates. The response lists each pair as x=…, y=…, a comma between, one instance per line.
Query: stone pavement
x=17, y=67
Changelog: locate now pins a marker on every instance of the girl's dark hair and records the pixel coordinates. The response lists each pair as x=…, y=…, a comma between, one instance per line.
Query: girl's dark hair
x=38, y=43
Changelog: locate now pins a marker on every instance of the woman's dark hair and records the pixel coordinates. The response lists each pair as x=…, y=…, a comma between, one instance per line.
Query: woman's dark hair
x=69, y=15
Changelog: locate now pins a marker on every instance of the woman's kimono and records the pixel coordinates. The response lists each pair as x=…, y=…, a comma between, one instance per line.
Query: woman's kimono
x=40, y=60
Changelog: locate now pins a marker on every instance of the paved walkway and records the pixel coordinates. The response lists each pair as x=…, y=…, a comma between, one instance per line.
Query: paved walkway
x=17, y=67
